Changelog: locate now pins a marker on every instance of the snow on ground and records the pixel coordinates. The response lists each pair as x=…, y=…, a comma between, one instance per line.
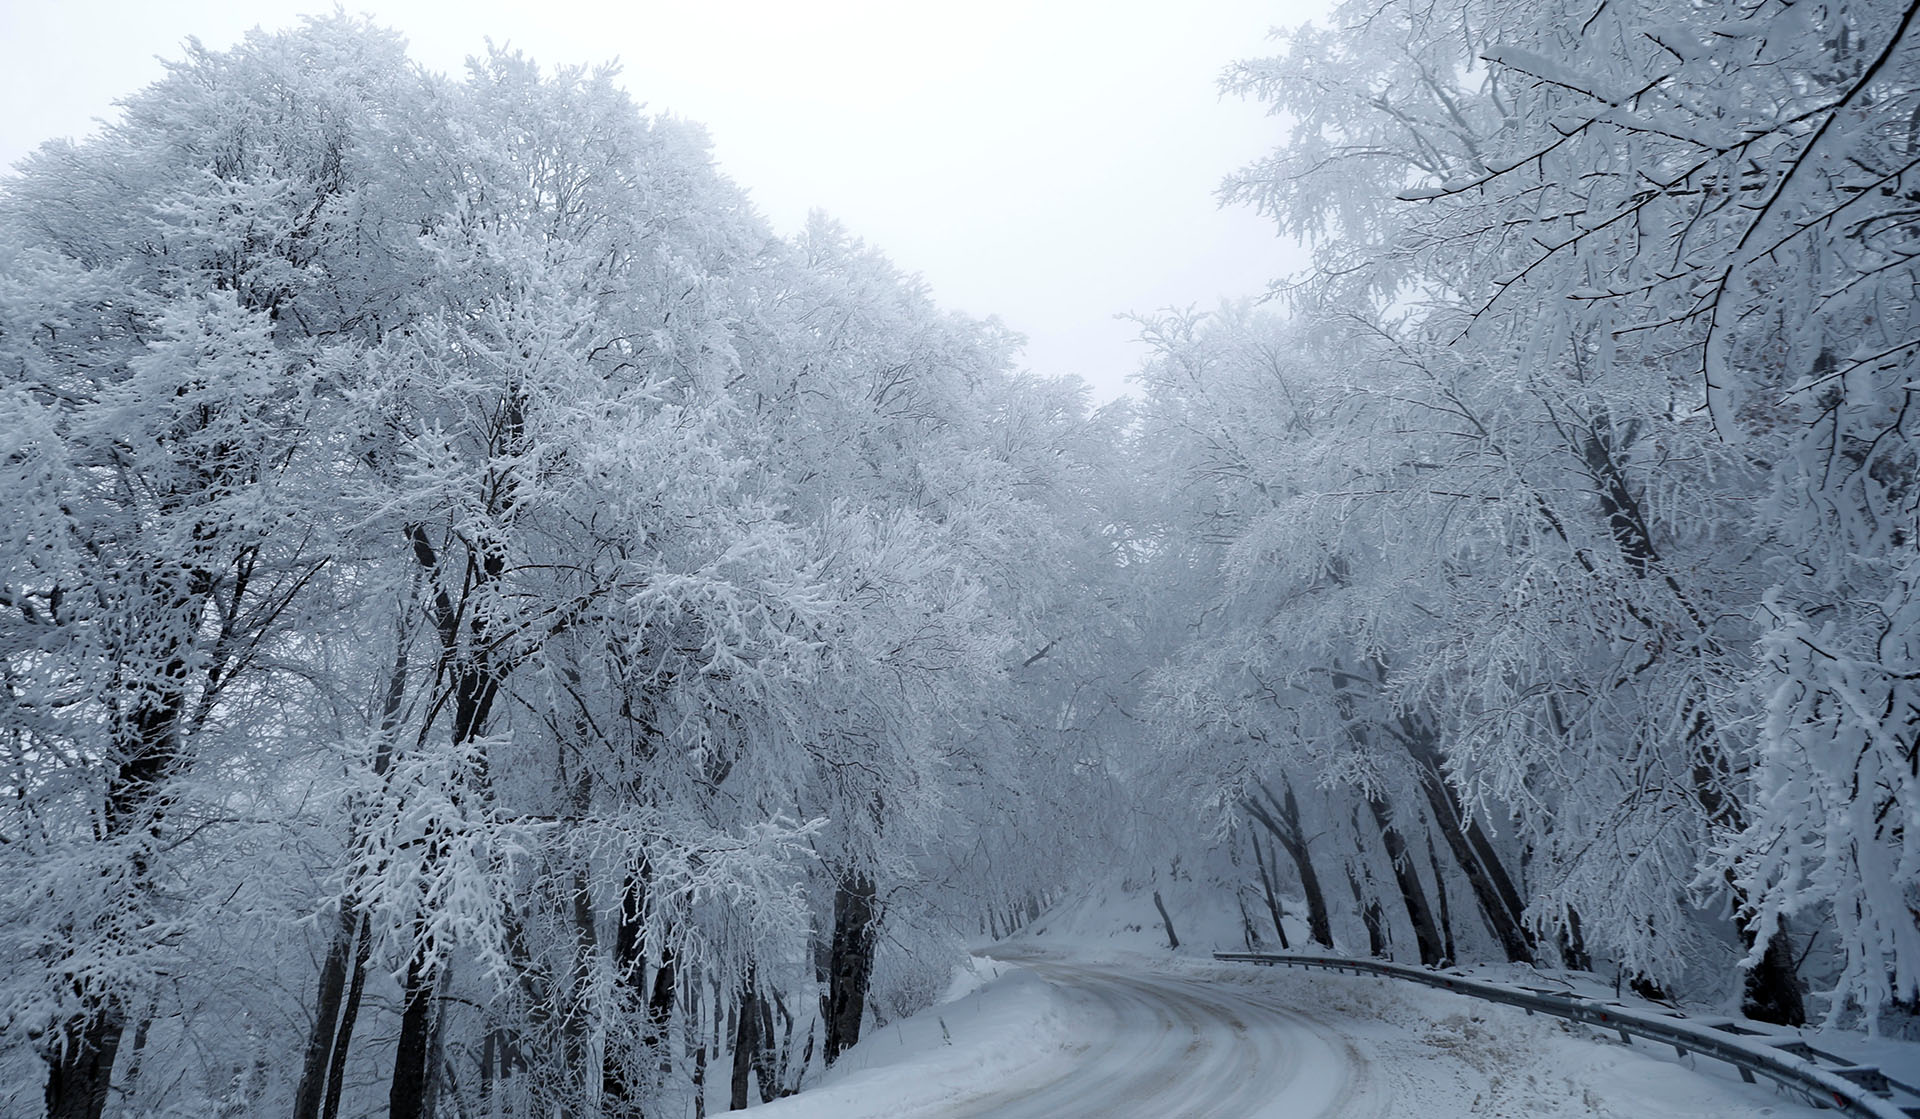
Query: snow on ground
x=1446, y=1055
x=1120, y=914
x=931, y=1060
x=1087, y=1013
x=1080, y=1032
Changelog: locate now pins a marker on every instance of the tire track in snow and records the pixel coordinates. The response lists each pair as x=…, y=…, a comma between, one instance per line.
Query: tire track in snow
x=1160, y=1045
x=1147, y=1037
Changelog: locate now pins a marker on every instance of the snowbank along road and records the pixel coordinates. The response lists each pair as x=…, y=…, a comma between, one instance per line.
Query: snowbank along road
x=1068, y=1035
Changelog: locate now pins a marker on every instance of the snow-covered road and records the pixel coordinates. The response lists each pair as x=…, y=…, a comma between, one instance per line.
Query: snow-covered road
x=1062, y=1032
x=1161, y=1045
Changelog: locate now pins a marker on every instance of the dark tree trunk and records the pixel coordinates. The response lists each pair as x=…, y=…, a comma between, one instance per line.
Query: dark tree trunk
x=660, y=1010
x=441, y=1074
x=472, y=675
x=1488, y=863
x=1407, y=876
x=1269, y=888
x=349, y=1014
x=311, y=1094
x=146, y=740
x=1173, y=941
x=492, y=1070
x=575, y=989
x=80, y=1071
x=1412, y=895
x=1772, y=990
x=132, y=1082
x=1440, y=895
x=1248, y=935
x=1499, y=907
x=413, y=1056
x=342, y=976
x=694, y=1025
x=746, y=1042
x=1573, y=945
x=1370, y=916
x=1281, y=817
x=620, y=1097
x=775, y=1049
x=474, y=682
x=850, y=967
x=1473, y=853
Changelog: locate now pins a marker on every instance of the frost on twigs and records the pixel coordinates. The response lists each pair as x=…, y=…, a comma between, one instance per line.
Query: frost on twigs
x=463, y=573
x=1614, y=491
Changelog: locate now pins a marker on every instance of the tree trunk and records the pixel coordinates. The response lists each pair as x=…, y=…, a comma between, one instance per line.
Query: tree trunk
x=311, y=1094
x=413, y=1056
x=746, y=1042
x=1281, y=817
x=131, y=1084
x=577, y=1010
x=775, y=1049
x=489, y=1055
x=474, y=684
x=1500, y=904
x=1407, y=876
x=1268, y=887
x=620, y=1097
x=1440, y=895
x=80, y=1070
x=146, y=740
x=850, y=967
x=349, y=1014
x=1173, y=941
x=696, y=1025
x=1772, y=989
x=1370, y=916
x=1573, y=945
x=440, y=1075
x=1488, y=862
x=660, y=1011
x=318, y=1093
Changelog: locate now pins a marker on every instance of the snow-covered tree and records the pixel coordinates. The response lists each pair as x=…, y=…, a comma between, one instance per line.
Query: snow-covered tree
x=460, y=546
x=1605, y=256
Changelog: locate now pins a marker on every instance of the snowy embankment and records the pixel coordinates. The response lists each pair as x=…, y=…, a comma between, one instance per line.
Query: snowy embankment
x=1851, y=1082
x=996, y=1022
x=1088, y=1014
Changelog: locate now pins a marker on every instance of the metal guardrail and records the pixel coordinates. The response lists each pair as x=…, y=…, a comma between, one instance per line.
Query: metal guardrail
x=1859, y=1090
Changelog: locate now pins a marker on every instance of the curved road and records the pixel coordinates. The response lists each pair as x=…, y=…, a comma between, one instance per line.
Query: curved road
x=1161, y=1045
x=1062, y=1035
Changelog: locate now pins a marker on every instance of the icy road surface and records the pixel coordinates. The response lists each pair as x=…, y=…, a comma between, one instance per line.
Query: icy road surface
x=1066, y=1034
x=1159, y=1045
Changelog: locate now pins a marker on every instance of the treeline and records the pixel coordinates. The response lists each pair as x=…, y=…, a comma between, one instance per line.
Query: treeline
x=488, y=627
x=1552, y=569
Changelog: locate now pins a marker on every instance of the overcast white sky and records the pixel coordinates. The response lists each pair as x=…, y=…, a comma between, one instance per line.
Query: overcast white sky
x=1051, y=162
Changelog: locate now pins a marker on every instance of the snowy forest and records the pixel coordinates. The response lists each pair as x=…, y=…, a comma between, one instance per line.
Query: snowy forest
x=490, y=627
